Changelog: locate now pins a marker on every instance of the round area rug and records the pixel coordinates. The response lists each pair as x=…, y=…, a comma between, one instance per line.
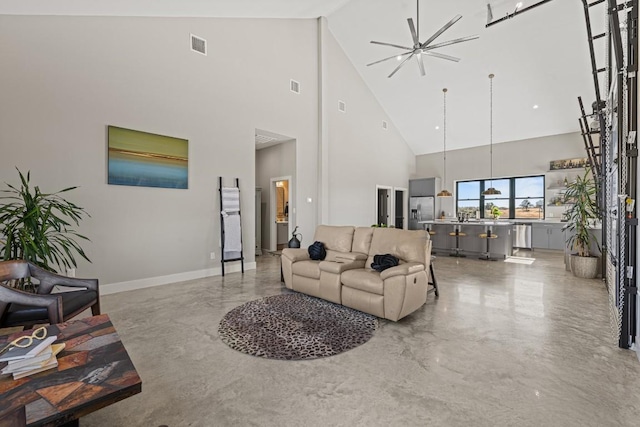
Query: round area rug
x=295, y=327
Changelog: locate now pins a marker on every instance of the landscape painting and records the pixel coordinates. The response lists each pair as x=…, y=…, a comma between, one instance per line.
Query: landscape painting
x=148, y=160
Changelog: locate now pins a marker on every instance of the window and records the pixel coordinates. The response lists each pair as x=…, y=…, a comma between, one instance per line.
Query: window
x=529, y=197
x=499, y=200
x=468, y=197
x=521, y=197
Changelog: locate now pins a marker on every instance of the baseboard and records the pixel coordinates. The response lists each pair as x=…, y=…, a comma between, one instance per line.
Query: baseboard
x=150, y=282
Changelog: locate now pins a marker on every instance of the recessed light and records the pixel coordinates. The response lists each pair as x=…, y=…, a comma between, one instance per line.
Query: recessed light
x=518, y=5
x=437, y=127
x=535, y=107
x=399, y=58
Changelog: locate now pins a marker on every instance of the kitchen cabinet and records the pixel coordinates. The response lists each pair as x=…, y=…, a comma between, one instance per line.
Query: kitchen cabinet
x=547, y=236
x=424, y=187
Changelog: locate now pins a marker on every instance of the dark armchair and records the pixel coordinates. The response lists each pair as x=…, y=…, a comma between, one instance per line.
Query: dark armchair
x=18, y=308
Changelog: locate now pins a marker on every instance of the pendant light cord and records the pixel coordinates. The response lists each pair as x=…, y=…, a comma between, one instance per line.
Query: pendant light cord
x=491, y=125
x=444, y=130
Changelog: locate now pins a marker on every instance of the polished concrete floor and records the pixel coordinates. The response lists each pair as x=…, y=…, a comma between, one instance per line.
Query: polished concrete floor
x=504, y=345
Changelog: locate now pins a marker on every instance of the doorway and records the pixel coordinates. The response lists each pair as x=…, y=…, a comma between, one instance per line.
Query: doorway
x=383, y=205
x=275, y=161
x=280, y=197
x=401, y=201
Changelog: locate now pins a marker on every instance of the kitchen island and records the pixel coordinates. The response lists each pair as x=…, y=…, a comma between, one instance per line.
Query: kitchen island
x=471, y=244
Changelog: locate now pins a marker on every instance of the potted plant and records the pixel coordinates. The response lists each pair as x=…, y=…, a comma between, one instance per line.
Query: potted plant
x=582, y=212
x=37, y=226
x=495, y=212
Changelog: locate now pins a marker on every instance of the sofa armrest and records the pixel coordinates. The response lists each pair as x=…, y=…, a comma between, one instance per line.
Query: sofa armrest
x=296, y=254
x=402, y=270
x=338, y=267
x=351, y=256
x=49, y=279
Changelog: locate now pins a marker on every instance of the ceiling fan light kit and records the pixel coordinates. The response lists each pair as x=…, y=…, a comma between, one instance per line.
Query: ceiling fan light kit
x=421, y=49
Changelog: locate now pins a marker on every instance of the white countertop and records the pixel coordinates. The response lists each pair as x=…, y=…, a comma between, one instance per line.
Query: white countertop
x=500, y=221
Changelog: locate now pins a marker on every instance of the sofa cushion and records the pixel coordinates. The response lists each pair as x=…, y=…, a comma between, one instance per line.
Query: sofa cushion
x=362, y=240
x=18, y=314
x=310, y=269
x=335, y=238
x=406, y=245
x=363, y=279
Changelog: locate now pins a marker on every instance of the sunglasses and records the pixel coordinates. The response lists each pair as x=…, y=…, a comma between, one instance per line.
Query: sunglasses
x=26, y=340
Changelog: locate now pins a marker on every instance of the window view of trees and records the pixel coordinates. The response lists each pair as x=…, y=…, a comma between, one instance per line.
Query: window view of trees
x=521, y=197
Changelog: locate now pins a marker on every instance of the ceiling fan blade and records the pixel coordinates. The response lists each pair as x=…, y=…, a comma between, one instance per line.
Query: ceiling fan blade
x=414, y=35
x=401, y=64
x=421, y=65
x=386, y=59
x=441, y=56
x=391, y=44
x=450, y=42
x=441, y=30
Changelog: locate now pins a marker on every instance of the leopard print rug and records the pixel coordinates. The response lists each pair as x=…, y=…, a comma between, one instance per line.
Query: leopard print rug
x=295, y=326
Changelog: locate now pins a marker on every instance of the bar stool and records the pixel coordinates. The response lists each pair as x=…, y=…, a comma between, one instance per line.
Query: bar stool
x=486, y=256
x=433, y=281
x=457, y=234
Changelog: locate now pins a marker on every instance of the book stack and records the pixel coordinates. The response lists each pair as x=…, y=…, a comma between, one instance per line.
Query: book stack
x=39, y=356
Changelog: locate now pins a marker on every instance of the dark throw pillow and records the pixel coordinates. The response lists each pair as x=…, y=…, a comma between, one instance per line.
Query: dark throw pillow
x=317, y=251
x=382, y=262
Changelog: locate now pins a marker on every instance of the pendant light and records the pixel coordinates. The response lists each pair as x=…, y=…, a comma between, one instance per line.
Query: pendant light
x=491, y=191
x=444, y=192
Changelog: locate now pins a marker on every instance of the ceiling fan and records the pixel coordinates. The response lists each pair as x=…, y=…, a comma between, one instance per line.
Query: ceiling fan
x=425, y=48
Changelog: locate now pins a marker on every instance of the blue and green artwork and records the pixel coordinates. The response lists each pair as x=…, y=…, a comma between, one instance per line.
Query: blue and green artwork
x=148, y=160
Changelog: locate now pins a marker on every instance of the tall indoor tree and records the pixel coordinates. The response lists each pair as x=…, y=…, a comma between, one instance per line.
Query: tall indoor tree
x=38, y=227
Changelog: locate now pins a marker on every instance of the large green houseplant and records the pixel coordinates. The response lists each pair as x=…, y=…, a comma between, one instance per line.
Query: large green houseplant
x=38, y=227
x=581, y=214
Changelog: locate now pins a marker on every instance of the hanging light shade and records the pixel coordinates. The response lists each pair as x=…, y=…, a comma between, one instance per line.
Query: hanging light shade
x=491, y=191
x=444, y=192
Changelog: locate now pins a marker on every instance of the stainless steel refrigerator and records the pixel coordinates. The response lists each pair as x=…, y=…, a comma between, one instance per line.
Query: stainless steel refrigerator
x=420, y=209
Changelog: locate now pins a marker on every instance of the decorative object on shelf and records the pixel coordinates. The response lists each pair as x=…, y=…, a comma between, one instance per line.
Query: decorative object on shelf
x=582, y=212
x=491, y=191
x=568, y=164
x=444, y=192
x=425, y=48
x=38, y=227
x=294, y=242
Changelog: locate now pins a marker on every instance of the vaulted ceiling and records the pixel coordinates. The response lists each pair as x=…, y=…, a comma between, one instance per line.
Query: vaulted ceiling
x=540, y=58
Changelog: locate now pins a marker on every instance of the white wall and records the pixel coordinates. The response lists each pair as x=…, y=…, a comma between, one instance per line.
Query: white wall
x=64, y=79
x=272, y=162
x=525, y=157
x=361, y=153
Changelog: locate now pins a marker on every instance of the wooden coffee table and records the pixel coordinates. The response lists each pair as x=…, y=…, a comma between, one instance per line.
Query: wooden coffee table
x=94, y=371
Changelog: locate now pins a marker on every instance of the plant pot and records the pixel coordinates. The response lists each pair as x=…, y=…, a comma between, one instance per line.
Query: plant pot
x=585, y=267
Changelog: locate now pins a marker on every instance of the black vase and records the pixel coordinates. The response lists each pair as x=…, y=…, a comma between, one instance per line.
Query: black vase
x=294, y=242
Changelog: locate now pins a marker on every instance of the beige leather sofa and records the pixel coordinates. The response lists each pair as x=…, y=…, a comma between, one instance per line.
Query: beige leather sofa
x=345, y=276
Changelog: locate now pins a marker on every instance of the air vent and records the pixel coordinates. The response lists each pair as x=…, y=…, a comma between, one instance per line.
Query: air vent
x=263, y=139
x=199, y=45
x=385, y=126
x=294, y=86
x=342, y=107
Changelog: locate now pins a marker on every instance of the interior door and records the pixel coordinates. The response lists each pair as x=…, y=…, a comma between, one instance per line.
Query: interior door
x=383, y=209
x=399, y=209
